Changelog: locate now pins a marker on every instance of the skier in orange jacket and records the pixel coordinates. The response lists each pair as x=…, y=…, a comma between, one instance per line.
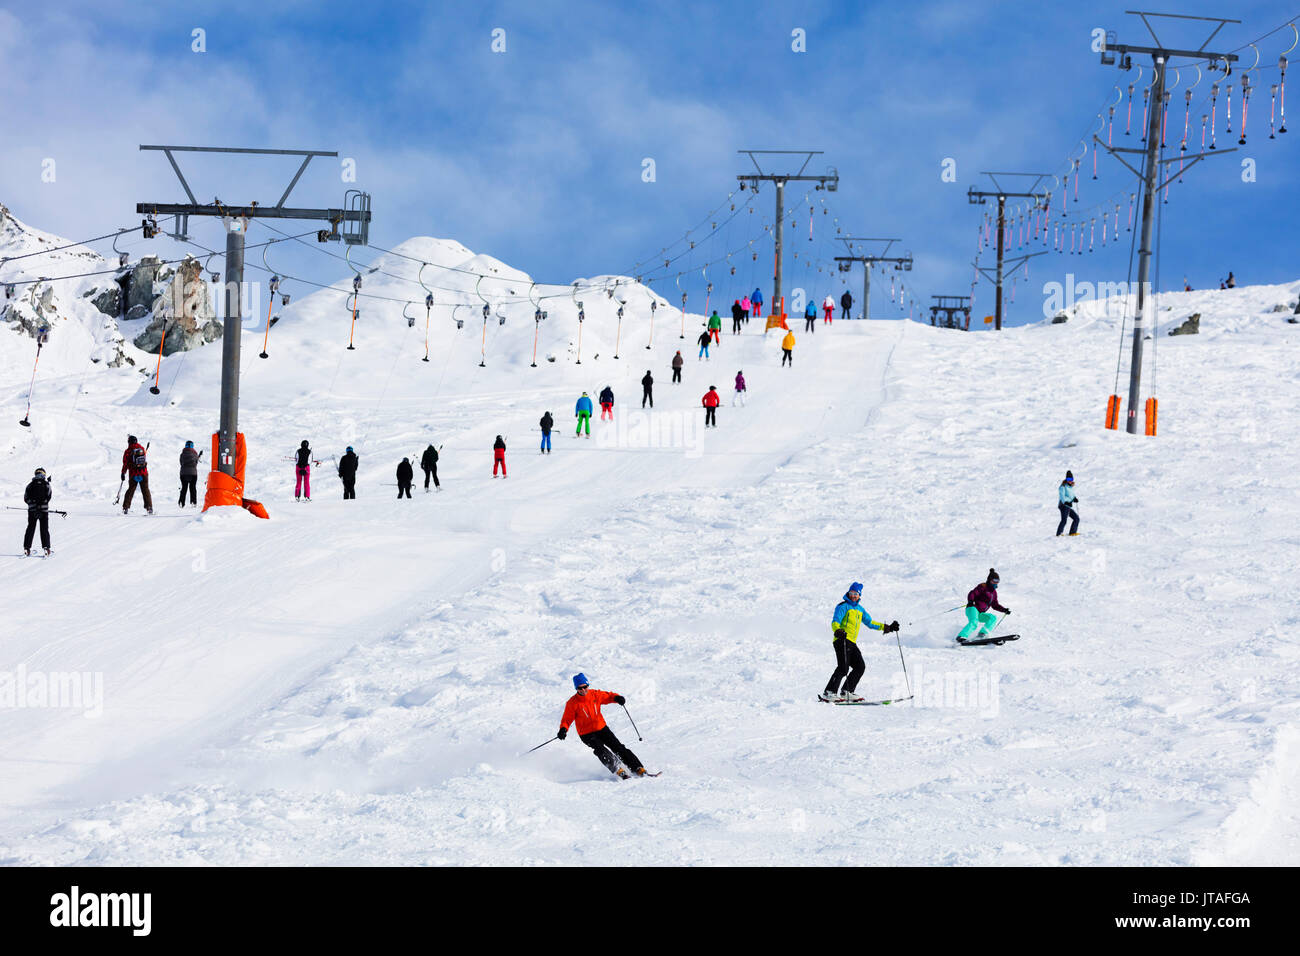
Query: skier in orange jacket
x=583, y=709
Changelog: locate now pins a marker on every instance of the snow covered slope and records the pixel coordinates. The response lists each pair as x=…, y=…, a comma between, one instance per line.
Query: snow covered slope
x=355, y=682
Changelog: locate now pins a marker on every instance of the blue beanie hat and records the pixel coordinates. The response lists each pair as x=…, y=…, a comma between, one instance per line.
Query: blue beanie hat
x=856, y=586
x=579, y=680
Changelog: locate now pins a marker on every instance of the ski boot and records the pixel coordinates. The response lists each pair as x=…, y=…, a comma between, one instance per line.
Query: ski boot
x=851, y=697
x=28, y=552
x=830, y=696
x=48, y=552
x=640, y=771
x=622, y=774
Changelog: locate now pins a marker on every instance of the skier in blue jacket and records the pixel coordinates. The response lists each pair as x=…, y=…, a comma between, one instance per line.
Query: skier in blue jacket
x=846, y=624
x=1066, y=504
x=583, y=413
x=756, y=298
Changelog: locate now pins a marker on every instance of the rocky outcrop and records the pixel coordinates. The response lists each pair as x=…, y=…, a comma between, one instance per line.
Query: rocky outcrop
x=1192, y=326
x=183, y=315
x=1060, y=318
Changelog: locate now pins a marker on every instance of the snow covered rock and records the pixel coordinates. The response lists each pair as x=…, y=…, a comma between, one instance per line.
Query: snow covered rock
x=1192, y=326
x=183, y=316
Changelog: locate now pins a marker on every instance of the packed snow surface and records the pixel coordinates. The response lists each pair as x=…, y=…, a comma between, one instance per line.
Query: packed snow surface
x=358, y=681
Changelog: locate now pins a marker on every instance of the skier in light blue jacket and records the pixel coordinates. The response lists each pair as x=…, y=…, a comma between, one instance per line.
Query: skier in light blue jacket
x=1068, y=499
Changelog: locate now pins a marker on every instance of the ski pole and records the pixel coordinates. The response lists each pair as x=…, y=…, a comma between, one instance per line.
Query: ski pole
x=933, y=616
x=119, y=492
x=541, y=745
x=629, y=717
x=907, y=679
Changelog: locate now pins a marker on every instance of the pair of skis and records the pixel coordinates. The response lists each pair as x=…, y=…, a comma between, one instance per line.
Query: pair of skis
x=865, y=703
x=998, y=640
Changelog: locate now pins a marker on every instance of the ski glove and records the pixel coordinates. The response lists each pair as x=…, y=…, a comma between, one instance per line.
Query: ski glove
x=564, y=732
x=891, y=627
x=620, y=699
x=839, y=633
x=1006, y=610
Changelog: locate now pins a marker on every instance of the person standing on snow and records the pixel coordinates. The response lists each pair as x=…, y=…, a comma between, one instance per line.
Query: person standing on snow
x=828, y=309
x=846, y=624
x=582, y=411
x=1066, y=504
x=647, y=389
x=715, y=327
x=737, y=317
x=810, y=317
x=546, y=424
x=302, y=472
x=190, y=473
x=978, y=601
x=37, y=497
x=704, y=341
x=740, y=389
x=678, y=362
x=607, y=403
x=429, y=465
x=711, y=402
x=846, y=303
x=405, y=477
x=136, y=465
x=348, y=473
x=499, y=456
x=756, y=300
x=747, y=305
x=583, y=709
x=787, y=349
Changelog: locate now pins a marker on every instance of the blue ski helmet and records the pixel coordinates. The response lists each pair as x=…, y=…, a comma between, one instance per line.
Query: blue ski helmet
x=579, y=680
x=349, y=449
x=189, y=444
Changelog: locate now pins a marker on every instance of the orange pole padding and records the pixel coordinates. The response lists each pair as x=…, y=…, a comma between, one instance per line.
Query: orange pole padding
x=1152, y=408
x=1112, y=412
x=226, y=489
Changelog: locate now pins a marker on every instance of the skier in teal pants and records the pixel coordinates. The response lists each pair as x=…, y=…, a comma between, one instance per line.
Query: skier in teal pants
x=978, y=602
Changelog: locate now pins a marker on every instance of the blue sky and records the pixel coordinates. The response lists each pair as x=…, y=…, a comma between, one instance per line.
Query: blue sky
x=535, y=155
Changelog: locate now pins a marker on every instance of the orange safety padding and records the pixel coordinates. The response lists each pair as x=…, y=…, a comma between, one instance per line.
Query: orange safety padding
x=1112, y=411
x=226, y=490
x=1152, y=408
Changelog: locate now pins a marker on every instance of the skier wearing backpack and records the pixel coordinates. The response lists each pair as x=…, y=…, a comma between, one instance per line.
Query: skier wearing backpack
x=582, y=412
x=429, y=464
x=190, y=473
x=810, y=317
x=981, y=598
x=405, y=478
x=607, y=403
x=37, y=498
x=302, y=472
x=135, y=464
x=583, y=710
x=846, y=624
x=499, y=456
x=348, y=473
x=1067, y=500
x=678, y=361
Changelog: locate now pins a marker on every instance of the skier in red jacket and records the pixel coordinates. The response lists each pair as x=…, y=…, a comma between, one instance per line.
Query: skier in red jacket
x=711, y=402
x=135, y=464
x=583, y=708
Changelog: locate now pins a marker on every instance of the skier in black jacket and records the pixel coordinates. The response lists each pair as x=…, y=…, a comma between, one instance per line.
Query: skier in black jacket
x=189, y=473
x=737, y=316
x=647, y=389
x=547, y=423
x=405, y=475
x=37, y=497
x=846, y=303
x=348, y=472
x=429, y=462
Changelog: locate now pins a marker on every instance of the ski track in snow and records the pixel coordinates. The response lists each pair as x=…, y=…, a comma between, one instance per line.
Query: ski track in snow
x=357, y=682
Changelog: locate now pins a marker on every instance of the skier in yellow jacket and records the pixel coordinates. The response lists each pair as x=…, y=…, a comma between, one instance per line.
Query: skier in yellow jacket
x=847, y=623
x=787, y=349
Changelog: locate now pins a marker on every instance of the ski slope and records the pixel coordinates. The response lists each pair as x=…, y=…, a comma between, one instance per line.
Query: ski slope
x=356, y=682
